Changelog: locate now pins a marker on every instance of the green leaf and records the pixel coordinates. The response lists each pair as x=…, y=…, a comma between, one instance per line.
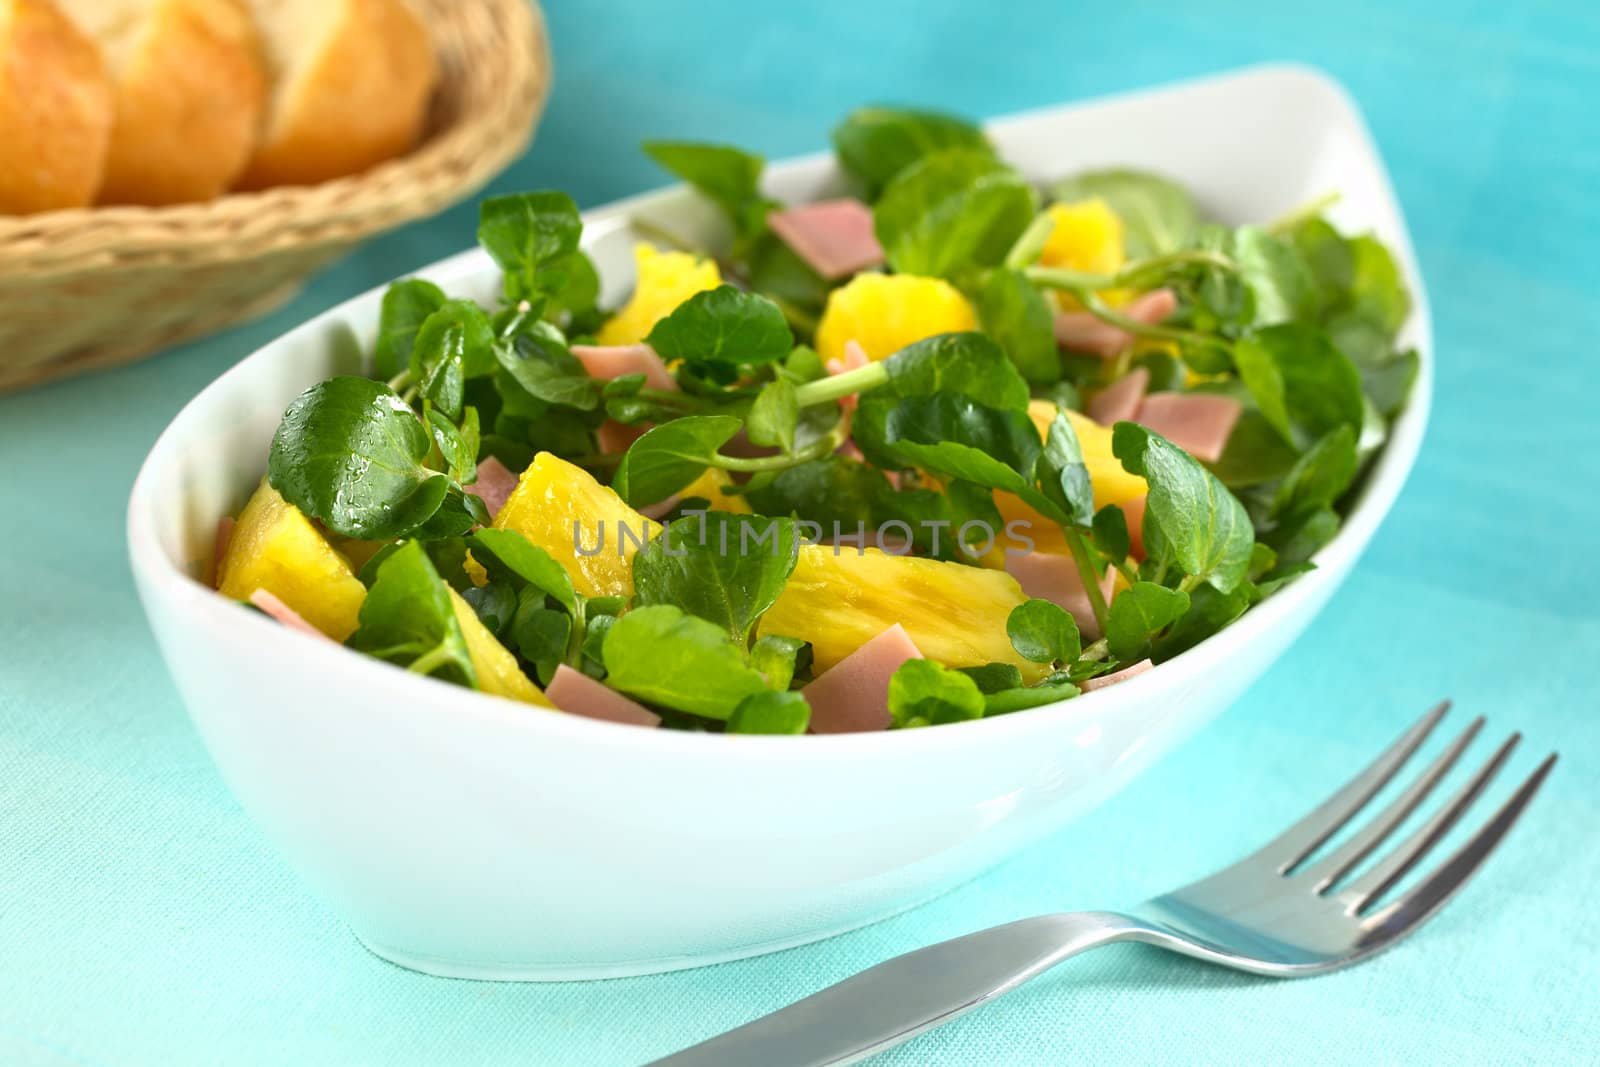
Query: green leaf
x=1063, y=475
x=454, y=344
x=925, y=693
x=727, y=176
x=1138, y=614
x=457, y=445
x=1016, y=315
x=408, y=619
x=1320, y=476
x=527, y=233
x=834, y=489
x=508, y=555
x=1300, y=538
x=594, y=638
x=1020, y=699
x=993, y=677
x=876, y=143
x=494, y=604
x=1279, y=279
x=778, y=658
x=1190, y=516
x=670, y=456
x=1158, y=215
x=724, y=327
x=1256, y=452
x=1389, y=384
x=774, y=416
x=771, y=712
x=951, y=211
x=406, y=306
x=1376, y=288
x=967, y=363
x=350, y=454
x=538, y=360
x=1110, y=528
x=727, y=569
x=661, y=655
x=1208, y=612
x=1043, y=632
x=1303, y=385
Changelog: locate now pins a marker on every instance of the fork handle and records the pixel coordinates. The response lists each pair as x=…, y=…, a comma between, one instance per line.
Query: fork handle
x=907, y=995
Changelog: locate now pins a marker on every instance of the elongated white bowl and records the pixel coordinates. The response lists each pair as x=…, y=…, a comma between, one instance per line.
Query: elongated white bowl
x=464, y=835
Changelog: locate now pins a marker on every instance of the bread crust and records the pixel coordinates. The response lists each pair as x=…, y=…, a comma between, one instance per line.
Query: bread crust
x=55, y=110
x=190, y=100
x=362, y=99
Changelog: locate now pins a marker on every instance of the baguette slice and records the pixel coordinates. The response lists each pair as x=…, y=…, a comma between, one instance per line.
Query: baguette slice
x=190, y=90
x=55, y=110
x=352, y=81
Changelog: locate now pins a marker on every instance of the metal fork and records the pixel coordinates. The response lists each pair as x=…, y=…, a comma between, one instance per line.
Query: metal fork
x=1271, y=913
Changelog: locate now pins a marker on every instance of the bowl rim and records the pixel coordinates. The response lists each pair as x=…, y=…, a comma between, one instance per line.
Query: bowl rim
x=159, y=577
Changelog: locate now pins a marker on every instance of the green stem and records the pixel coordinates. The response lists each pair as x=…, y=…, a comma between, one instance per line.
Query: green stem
x=815, y=450
x=1129, y=575
x=1190, y=583
x=410, y=395
x=1304, y=213
x=1030, y=243
x=431, y=660
x=575, y=636
x=837, y=386
x=1140, y=270
x=1086, y=573
x=400, y=381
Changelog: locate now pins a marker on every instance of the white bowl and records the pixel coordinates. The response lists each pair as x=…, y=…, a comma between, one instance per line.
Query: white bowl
x=465, y=835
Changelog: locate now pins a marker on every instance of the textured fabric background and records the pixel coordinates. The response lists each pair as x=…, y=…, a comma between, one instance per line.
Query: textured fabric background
x=144, y=921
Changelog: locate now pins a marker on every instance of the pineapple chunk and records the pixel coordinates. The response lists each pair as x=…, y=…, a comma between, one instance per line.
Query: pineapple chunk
x=559, y=506
x=665, y=280
x=955, y=614
x=275, y=547
x=709, y=487
x=497, y=668
x=1087, y=237
x=885, y=312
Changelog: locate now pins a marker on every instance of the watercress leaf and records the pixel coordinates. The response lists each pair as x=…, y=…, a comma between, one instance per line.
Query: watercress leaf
x=457, y=445
x=951, y=211
x=721, y=567
x=1303, y=385
x=1301, y=537
x=1376, y=288
x=406, y=306
x=1189, y=514
x=409, y=619
x=495, y=605
x=541, y=635
x=773, y=268
x=923, y=692
x=1281, y=282
x=1110, y=529
x=1022, y=698
x=509, y=556
x=1208, y=612
x=778, y=658
x=1158, y=215
x=527, y=232
x=993, y=677
x=1166, y=372
x=1043, y=632
x=1015, y=314
x=1138, y=614
x=727, y=176
x=351, y=454
x=1389, y=384
x=659, y=654
x=1255, y=453
x=670, y=456
x=457, y=513
x=1063, y=475
x=831, y=490
x=449, y=556
x=1319, y=476
x=771, y=712
x=774, y=416
x=876, y=143
x=725, y=327
x=538, y=360
x=369, y=570
x=1326, y=253
x=578, y=291
x=968, y=363
x=594, y=637
x=951, y=435
x=455, y=343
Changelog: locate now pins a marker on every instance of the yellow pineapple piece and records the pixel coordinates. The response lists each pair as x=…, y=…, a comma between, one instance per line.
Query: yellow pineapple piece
x=1087, y=237
x=664, y=280
x=885, y=312
x=709, y=487
x=275, y=547
x=584, y=525
x=497, y=668
x=839, y=599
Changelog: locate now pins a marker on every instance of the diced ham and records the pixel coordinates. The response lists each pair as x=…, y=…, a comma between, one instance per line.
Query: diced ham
x=220, y=548
x=1198, y=423
x=618, y=361
x=1054, y=577
x=578, y=694
x=834, y=237
x=1133, y=513
x=853, y=696
x=271, y=605
x=1082, y=332
x=1120, y=400
x=614, y=437
x=494, y=486
x=1117, y=676
x=855, y=357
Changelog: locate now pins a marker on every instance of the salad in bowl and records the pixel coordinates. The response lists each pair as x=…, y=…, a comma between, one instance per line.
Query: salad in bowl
x=955, y=446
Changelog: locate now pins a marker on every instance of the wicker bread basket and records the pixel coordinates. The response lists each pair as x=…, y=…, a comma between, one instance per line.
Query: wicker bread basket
x=91, y=288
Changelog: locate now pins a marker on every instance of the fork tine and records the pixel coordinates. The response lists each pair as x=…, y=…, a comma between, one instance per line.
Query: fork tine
x=1303, y=838
x=1331, y=868
x=1431, y=894
x=1393, y=867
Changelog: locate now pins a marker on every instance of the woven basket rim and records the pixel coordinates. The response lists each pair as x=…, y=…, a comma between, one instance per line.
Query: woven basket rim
x=341, y=210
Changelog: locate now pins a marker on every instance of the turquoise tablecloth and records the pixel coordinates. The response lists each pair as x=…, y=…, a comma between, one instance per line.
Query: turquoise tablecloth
x=143, y=920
